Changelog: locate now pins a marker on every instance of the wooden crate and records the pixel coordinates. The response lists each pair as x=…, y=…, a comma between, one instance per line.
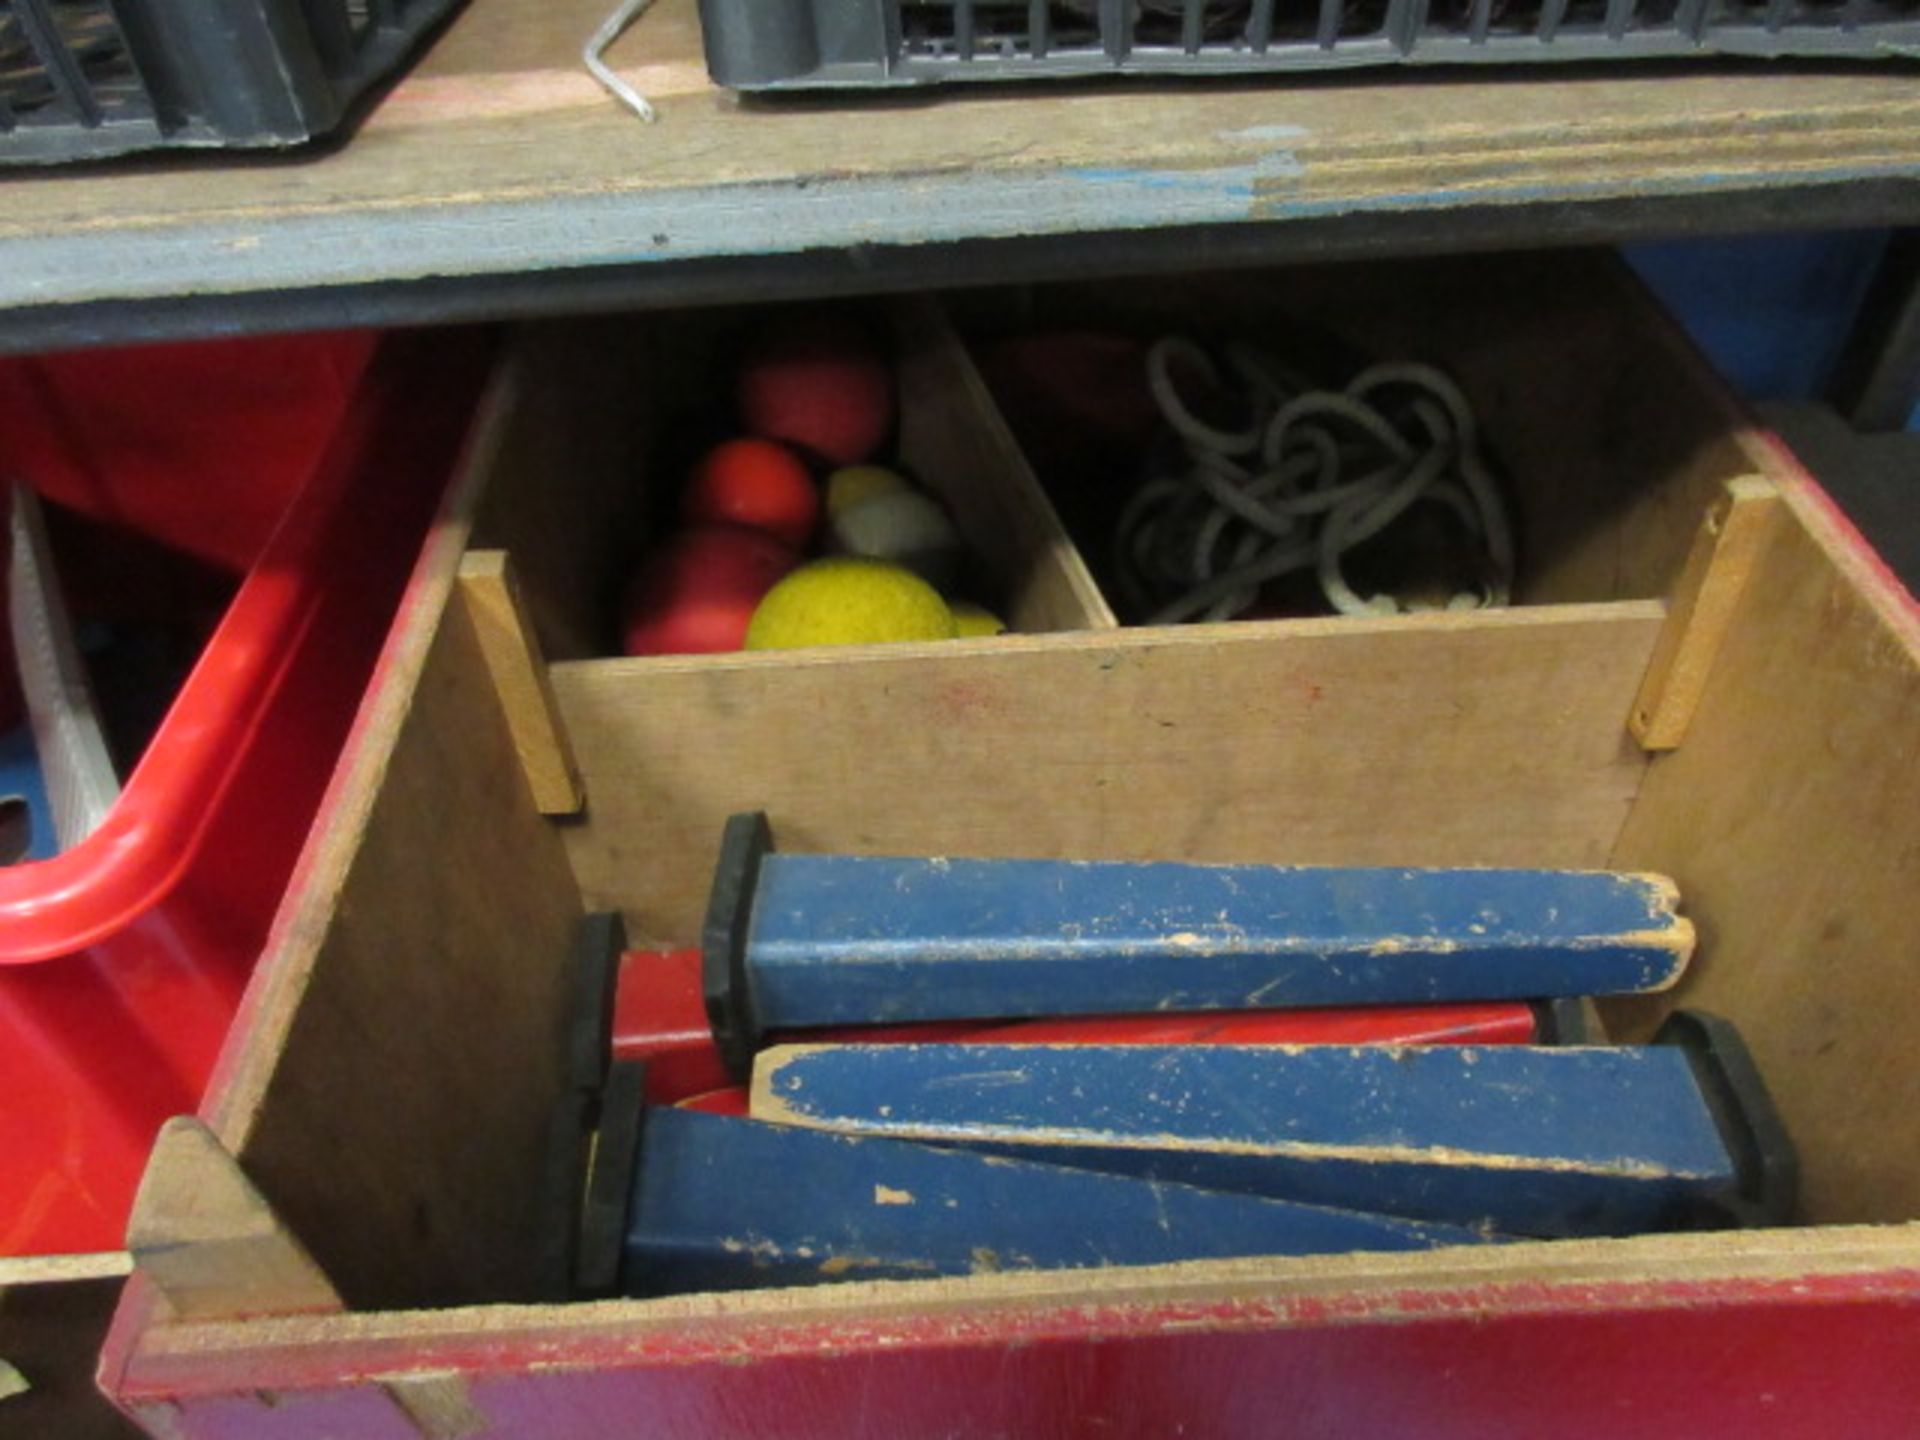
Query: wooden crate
x=348, y=1247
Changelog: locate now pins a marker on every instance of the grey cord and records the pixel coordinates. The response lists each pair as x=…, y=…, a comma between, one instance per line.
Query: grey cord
x=1316, y=473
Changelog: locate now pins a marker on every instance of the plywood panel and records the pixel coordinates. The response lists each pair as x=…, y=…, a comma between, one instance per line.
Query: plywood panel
x=1790, y=815
x=1476, y=739
x=500, y=155
x=953, y=438
x=1611, y=434
x=398, y=1118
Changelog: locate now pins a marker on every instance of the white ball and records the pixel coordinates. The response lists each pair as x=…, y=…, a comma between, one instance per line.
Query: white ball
x=902, y=526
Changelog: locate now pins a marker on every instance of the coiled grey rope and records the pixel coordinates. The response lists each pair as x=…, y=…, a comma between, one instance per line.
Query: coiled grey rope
x=1310, y=475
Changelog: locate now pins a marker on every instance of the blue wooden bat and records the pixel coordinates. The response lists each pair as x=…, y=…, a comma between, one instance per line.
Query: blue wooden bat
x=796, y=942
x=1520, y=1139
x=721, y=1203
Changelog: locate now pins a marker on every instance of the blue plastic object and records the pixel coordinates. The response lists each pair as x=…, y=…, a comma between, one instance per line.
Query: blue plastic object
x=21, y=781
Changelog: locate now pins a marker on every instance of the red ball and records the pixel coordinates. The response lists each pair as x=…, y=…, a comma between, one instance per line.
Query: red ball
x=756, y=484
x=817, y=382
x=698, y=591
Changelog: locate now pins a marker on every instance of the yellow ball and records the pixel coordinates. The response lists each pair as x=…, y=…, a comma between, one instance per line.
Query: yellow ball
x=848, y=487
x=846, y=600
x=972, y=620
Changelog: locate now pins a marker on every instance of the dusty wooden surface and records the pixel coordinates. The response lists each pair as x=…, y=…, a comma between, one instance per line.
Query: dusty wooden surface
x=1488, y=738
x=1706, y=597
x=499, y=155
x=204, y=1237
x=1790, y=816
x=491, y=591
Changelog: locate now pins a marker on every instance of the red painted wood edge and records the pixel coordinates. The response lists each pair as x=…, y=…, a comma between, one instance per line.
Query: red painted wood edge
x=1813, y=1355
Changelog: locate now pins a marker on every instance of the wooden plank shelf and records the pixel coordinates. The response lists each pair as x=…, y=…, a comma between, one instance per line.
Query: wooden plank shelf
x=498, y=178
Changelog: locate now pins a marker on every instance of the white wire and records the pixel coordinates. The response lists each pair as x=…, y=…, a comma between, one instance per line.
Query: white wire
x=611, y=29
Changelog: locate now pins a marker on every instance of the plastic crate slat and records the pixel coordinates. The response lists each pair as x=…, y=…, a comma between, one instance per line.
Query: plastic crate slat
x=1192, y=21
x=143, y=29
x=1260, y=26
x=332, y=31
x=158, y=73
x=1328, y=33
x=1405, y=20
x=62, y=68
x=956, y=39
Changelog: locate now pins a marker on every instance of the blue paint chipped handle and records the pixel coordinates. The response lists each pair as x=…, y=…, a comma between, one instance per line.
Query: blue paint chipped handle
x=799, y=942
x=1542, y=1141
x=722, y=1203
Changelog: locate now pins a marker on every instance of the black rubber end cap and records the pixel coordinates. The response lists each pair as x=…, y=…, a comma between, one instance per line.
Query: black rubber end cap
x=598, y=944
x=1766, y=1165
x=724, y=981
x=609, y=1181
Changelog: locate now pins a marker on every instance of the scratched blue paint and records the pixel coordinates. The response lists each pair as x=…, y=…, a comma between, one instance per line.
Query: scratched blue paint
x=721, y=1203
x=1525, y=1140
x=843, y=940
x=1239, y=181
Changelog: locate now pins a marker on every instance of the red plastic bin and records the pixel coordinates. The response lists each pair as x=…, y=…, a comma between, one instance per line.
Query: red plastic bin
x=122, y=960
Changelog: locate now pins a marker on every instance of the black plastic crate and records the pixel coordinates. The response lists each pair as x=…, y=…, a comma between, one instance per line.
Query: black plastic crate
x=86, y=78
x=755, y=45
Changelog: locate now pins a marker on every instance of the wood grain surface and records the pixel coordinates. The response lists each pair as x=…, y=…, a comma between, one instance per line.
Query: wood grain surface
x=498, y=155
x=1485, y=738
x=1790, y=815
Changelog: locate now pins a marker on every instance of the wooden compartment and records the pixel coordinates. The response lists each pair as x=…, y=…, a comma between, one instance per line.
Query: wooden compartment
x=347, y=1248
x=1574, y=373
x=617, y=409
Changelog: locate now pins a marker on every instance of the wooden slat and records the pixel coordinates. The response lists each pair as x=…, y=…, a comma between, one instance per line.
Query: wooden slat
x=209, y=1242
x=491, y=593
x=60, y=1269
x=1723, y=1279
x=500, y=155
x=952, y=437
x=1791, y=819
x=1705, y=597
x=562, y=481
x=428, y=943
x=1512, y=1140
x=1479, y=739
